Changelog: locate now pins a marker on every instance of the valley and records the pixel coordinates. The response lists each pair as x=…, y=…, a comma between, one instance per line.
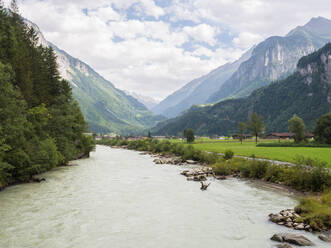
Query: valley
x=189, y=123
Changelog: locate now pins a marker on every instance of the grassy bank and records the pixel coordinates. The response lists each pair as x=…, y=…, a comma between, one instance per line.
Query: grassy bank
x=317, y=178
x=286, y=154
x=316, y=211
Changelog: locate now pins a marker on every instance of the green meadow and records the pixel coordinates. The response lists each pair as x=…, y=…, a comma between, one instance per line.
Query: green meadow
x=248, y=147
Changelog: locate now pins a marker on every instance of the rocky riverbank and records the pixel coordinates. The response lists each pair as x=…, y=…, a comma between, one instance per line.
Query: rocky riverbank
x=288, y=218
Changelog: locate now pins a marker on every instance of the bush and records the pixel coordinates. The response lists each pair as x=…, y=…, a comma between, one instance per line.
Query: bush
x=223, y=168
x=258, y=169
x=228, y=154
x=274, y=173
x=244, y=169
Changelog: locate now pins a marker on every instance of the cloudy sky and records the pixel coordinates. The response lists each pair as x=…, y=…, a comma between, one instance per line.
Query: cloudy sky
x=153, y=47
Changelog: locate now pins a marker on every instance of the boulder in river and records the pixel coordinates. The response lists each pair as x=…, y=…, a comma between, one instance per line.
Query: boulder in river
x=292, y=238
x=324, y=238
x=38, y=180
x=283, y=246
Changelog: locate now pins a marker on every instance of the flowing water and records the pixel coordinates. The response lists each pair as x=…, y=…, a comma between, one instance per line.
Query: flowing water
x=118, y=198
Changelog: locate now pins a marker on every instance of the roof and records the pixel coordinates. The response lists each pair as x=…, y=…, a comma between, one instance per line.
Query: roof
x=281, y=134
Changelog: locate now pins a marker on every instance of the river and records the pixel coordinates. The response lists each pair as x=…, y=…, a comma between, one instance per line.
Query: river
x=118, y=198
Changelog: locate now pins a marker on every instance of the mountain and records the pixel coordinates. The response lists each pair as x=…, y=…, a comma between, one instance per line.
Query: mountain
x=275, y=58
x=306, y=92
x=149, y=102
x=105, y=108
x=198, y=90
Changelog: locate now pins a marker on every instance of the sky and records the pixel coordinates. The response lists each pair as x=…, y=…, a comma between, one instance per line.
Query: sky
x=154, y=47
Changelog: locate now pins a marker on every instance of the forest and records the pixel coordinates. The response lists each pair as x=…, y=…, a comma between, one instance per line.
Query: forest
x=41, y=125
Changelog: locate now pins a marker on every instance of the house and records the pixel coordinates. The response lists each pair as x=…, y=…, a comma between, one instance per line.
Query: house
x=286, y=136
x=279, y=136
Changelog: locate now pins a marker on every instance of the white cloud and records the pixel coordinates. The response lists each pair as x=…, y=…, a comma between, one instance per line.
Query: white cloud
x=246, y=40
x=105, y=14
x=202, y=33
x=151, y=59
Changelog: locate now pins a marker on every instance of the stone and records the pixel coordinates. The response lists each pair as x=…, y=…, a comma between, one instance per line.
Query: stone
x=289, y=224
x=300, y=227
x=276, y=218
x=283, y=246
x=191, y=162
x=324, y=238
x=307, y=227
x=277, y=237
x=296, y=239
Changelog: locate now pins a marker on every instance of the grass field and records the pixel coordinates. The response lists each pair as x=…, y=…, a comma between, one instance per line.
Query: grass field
x=248, y=148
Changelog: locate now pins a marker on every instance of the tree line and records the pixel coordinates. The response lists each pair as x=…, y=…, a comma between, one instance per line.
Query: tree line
x=41, y=125
x=296, y=125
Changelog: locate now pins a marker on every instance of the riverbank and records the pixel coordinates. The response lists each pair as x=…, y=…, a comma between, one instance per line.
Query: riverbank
x=34, y=179
x=312, y=181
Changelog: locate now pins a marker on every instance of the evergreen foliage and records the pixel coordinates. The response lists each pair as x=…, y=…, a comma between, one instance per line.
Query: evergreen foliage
x=189, y=135
x=323, y=129
x=41, y=125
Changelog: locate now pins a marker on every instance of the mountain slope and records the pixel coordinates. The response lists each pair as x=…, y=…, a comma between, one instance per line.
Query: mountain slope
x=148, y=102
x=105, y=108
x=307, y=93
x=274, y=59
x=198, y=90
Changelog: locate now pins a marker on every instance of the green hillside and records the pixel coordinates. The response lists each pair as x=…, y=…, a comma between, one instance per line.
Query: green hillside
x=106, y=108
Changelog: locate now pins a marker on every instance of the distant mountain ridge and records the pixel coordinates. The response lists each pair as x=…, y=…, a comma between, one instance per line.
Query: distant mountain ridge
x=105, y=108
x=149, y=102
x=273, y=59
x=198, y=90
x=306, y=92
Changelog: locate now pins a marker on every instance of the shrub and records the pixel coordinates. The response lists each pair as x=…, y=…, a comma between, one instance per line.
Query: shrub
x=274, y=173
x=228, y=154
x=188, y=153
x=223, y=168
x=258, y=169
x=244, y=169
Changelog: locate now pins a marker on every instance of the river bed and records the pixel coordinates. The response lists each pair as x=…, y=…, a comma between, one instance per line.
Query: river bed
x=118, y=198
